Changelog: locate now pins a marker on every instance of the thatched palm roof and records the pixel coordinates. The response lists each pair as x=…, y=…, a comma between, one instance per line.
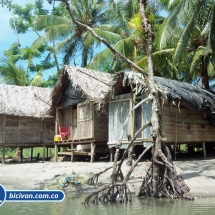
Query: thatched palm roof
x=24, y=101
x=92, y=85
x=98, y=86
x=191, y=97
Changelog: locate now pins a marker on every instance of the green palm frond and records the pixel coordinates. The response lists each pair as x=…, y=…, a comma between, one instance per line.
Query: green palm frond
x=183, y=40
x=211, y=71
x=169, y=30
x=129, y=8
x=55, y=27
x=111, y=37
x=42, y=22
x=37, y=80
x=201, y=52
x=61, y=45
x=71, y=49
x=78, y=9
x=53, y=33
x=99, y=59
x=11, y=74
x=72, y=39
x=124, y=11
x=212, y=30
x=58, y=31
x=172, y=3
x=136, y=23
x=125, y=47
x=106, y=32
x=162, y=63
x=158, y=57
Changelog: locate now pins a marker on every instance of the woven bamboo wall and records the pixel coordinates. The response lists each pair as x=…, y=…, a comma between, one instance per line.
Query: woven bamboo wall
x=26, y=130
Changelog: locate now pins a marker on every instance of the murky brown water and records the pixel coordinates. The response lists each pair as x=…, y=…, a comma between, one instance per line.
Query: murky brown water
x=138, y=206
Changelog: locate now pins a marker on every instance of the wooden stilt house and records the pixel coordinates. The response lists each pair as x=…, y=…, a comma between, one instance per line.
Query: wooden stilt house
x=23, y=117
x=187, y=112
x=77, y=99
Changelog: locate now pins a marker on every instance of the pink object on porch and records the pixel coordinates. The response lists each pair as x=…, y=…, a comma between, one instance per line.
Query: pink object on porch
x=64, y=132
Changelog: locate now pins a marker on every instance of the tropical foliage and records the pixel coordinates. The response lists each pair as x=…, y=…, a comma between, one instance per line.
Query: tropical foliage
x=11, y=71
x=74, y=41
x=183, y=45
x=189, y=29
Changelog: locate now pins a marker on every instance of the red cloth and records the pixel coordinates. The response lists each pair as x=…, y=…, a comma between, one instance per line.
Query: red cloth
x=64, y=132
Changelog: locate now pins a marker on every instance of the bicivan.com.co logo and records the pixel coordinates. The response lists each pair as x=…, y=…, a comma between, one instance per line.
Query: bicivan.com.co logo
x=30, y=195
x=2, y=194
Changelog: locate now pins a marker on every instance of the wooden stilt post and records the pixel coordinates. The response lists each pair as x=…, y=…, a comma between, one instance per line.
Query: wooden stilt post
x=47, y=152
x=55, y=152
x=44, y=152
x=72, y=152
x=204, y=150
x=111, y=154
x=32, y=151
x=21, y=155
x=93, y=146
x=175, y=150
x=3, y=154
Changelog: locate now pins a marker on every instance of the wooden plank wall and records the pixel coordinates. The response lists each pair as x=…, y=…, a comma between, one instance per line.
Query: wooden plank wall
x=85, y=120
x=74, y=123
x=100, y=126
x=185, y=126
x=27, y=130
x=118, y=112
x=68, y=121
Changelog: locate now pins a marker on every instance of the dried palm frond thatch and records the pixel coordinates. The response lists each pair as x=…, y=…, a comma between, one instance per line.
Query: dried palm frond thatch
x=191, y=97
x=25, y=101
x=93, y=85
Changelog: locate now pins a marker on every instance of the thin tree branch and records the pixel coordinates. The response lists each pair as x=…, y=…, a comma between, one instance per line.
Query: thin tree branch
x=102, y=39
x=132, y=141
x=15, y=28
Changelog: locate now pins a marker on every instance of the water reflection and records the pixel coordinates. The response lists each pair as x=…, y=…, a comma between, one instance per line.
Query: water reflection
x=138, y=206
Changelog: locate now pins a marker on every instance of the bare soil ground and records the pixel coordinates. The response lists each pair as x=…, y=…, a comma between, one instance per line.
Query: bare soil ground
x=198, y=173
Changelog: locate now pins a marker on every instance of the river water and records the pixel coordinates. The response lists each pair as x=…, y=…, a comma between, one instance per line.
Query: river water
x=73, y=205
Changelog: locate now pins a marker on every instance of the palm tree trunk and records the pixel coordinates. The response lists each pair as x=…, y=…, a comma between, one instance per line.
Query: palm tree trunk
x=84, y=57
x=56, y=61
x=204, y=79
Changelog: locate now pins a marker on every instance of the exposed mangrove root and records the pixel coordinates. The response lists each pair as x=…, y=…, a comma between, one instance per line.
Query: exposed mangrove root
x=116, y=191
x=169, y=184
x=93, y=180
x=110, y=193
x=161, y=179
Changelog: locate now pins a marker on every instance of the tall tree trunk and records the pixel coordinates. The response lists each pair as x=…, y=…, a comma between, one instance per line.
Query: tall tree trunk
x=162, y=178
x=155, y=118
x=204, y=73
